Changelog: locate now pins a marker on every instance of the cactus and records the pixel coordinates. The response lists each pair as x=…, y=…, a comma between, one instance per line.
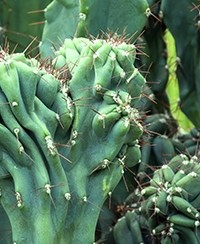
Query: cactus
x=56, y=13
x=84, y=138
x=153, y=59
x=165, y=210
x=66, y=136
x=190, y=141
x=86, y=18
x=158, y=144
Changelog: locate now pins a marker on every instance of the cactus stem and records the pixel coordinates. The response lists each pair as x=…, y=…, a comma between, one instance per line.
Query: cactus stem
x=113, y=57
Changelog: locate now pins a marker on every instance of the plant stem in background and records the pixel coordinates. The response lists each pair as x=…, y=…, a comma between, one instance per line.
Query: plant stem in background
x=172, y=86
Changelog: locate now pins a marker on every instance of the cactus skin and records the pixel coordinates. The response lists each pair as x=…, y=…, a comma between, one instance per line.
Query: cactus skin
x=117, y=16
x=28, y=155
x=154, y=60
x=159, y=144
x=57, y=12
x=89, y=86
x=88, y=17
x=5, y=228
x=166, y=209
x=61, y=151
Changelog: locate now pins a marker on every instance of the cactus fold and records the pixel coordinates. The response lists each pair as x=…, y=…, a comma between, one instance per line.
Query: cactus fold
x=84, y=138
x=65, y=142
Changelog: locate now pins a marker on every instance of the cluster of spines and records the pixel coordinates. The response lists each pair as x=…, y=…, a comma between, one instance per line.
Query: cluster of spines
x=110, y=70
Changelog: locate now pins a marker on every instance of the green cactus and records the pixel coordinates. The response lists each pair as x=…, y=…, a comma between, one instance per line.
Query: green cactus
x=65, y=142
x=69, y=125
x=158, y=144
x=190, y=141
x=153, y=59
x=165, y=210
x=85, y=18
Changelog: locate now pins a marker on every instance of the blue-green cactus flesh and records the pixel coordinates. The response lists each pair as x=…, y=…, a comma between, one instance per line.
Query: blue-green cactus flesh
x=62, y=139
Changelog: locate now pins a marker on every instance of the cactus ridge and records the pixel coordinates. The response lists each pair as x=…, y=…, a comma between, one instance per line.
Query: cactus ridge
x=169, y=203
x=65, y=142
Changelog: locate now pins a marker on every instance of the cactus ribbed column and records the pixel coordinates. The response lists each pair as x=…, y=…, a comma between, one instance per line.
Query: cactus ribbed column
x=65, y=142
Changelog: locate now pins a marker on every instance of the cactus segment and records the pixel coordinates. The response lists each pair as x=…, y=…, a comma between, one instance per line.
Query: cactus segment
x=172, y=195
x=29, y=156
x=68, y=140
x=86, y=18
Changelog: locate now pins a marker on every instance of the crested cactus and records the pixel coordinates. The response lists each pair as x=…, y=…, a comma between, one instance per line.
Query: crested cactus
x=67, y=134
x=73, y=151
